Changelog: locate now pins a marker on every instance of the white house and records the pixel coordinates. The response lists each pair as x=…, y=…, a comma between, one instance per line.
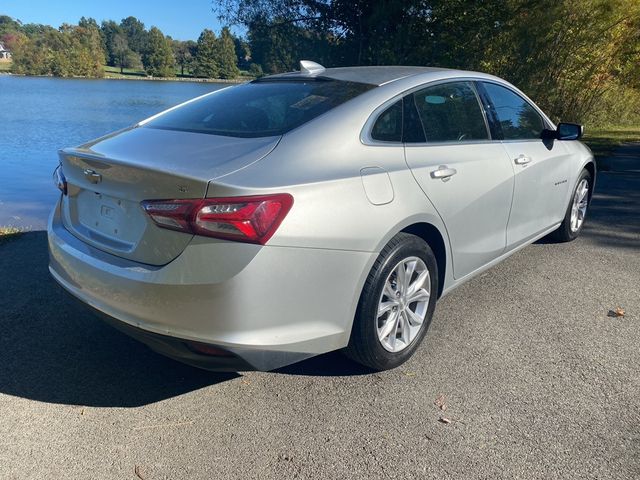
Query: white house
x=4, y=53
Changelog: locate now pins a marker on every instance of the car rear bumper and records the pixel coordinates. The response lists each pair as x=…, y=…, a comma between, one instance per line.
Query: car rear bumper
x=267, y=306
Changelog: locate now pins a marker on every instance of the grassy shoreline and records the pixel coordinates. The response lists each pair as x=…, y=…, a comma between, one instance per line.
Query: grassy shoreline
x=113, y=73
x=146, y=79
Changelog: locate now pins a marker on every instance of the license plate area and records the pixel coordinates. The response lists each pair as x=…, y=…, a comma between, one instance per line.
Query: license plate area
x=115, y=222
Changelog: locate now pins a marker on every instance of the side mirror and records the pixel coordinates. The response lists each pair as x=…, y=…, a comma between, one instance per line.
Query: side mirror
x=565, y=131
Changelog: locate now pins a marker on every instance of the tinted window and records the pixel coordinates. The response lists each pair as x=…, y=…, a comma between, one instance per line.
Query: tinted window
x=260, y=109
x=517, y=118
x=450, y=113
x=412, y=131
x=388, y=126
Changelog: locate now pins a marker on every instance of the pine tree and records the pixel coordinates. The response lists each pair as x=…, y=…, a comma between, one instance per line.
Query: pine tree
x=158, y=56
x=228, y=62
x=206, y=64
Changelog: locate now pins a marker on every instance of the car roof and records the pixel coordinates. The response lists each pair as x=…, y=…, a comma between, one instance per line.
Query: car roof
x=378, y=75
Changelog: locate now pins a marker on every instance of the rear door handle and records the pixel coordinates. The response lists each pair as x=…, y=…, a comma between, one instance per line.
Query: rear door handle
x=522, y=159
x=444, y=173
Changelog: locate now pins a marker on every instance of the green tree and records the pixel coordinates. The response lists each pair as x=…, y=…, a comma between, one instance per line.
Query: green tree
x=87, y=54
x=158, y=57
x=69, y=51
x=124, y=56
x=227, y=60
x=9, y=25
x=243, y=52
x=136, y=34
x=88, y=23
x=184, y=53
x=255, y=70
x=109, y=31
x=577, y=63
x=206, y=63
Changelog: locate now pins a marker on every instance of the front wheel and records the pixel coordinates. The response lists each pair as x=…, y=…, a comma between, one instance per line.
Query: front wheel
x=576, y=213
x=396, y=304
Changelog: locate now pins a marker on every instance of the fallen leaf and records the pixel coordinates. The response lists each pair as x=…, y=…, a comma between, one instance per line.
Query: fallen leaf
x=616, y=312
x=444, y=420
x=138, y=471
x=441, y=402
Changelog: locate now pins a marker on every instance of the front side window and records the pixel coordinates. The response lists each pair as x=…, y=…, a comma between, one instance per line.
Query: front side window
x=260, y=109
x=448, y=112
x=517, y=118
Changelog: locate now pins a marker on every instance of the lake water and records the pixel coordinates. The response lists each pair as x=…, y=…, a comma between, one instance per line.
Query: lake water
x=38, y=116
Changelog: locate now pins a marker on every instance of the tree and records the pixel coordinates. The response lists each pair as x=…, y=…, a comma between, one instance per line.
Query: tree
x=135, y=33
x=11, y=41
x=157, y=57
x=184, y=53
x=9, y=25
x=88, y=23
x=109, y=30
x=69, y=51
x=124, y=56
x=243, y=52
x=227, y=60
x=87, y=55
x=255, y=70
x=206, y=64
x=578, y=63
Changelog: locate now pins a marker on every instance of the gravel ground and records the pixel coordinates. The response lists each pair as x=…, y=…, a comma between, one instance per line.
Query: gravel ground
x=537, y=380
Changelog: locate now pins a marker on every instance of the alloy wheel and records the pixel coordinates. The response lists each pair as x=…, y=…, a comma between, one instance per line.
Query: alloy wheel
x=579, y=206
x=403, y=304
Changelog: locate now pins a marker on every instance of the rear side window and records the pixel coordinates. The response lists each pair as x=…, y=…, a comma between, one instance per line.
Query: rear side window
x=517, y=118
x=450, y=113
x=260, y=109
x=388, y=126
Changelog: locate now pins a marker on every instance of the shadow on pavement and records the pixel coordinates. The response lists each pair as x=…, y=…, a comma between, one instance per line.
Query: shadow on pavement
x=614, y=216
x=613, y=219
x=332, y=364
x=52, y=350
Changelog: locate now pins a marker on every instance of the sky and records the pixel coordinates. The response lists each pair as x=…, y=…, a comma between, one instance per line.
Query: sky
x=181, y=19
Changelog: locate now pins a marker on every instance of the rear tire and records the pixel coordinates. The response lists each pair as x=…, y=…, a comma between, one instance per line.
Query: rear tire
x=576, y=213
x=396, y=304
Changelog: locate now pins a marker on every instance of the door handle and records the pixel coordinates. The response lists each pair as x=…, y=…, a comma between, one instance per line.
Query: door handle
x=444, y=173
x=522, y=159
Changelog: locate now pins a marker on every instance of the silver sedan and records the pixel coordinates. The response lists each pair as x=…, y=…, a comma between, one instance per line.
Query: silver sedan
x=317, y=210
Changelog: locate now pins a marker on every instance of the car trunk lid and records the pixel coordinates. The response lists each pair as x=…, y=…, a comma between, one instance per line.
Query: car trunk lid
x=108, y=178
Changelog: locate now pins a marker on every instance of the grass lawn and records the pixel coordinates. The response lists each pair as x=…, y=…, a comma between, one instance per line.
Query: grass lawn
x=604, y=140
x=5, y=66
x=114, y=72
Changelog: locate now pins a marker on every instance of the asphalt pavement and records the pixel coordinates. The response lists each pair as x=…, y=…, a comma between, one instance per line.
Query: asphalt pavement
x=525, y=363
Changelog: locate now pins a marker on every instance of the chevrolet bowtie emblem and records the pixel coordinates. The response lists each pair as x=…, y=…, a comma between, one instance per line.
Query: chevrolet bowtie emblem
x=92, y=176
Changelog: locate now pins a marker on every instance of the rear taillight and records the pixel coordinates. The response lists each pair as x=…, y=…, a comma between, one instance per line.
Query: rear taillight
x=59, y=180
x=251, y=219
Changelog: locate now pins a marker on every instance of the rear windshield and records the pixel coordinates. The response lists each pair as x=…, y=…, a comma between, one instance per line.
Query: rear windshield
x=261, y=108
